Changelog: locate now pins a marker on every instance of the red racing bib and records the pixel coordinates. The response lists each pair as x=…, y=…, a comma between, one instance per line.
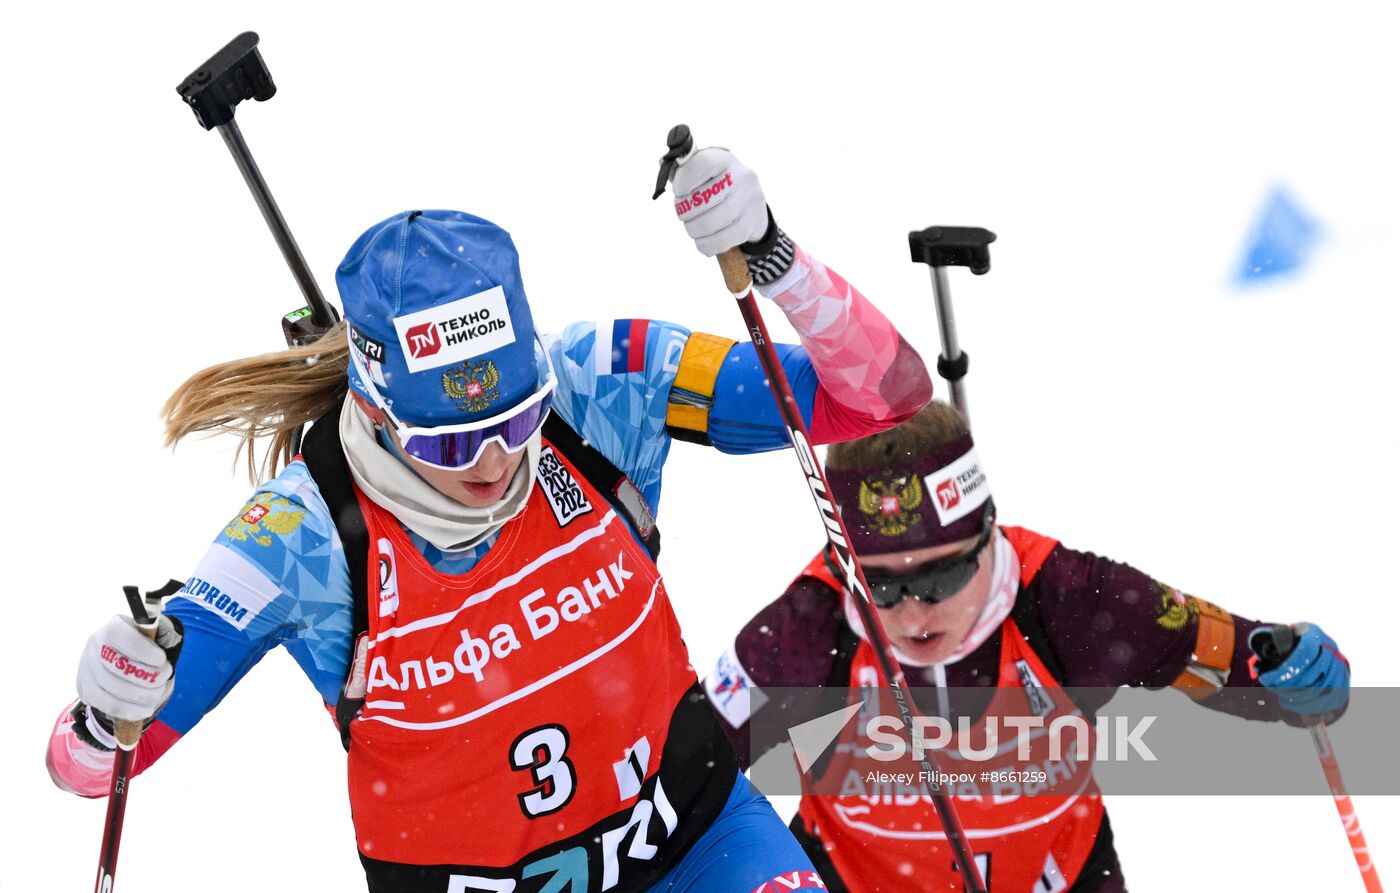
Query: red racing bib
x=525, y=703
x=1031, y=823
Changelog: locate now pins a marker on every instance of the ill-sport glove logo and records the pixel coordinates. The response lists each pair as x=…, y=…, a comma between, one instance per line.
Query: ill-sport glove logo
x=125, y=665
x=702, y=197
x=423, y=340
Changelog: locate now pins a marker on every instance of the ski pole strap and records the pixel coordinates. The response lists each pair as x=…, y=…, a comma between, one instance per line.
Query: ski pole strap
x=693, y=392
x=1209, y=668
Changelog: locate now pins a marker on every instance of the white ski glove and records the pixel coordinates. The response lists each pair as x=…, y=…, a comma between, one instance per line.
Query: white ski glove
x=124, y=675
x=719, y=201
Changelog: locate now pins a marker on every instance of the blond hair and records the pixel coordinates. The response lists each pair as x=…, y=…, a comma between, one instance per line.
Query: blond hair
x=267, y=396
x=936, y=425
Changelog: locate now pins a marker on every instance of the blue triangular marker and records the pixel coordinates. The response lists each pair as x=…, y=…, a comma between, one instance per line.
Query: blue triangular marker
x=1280, y=241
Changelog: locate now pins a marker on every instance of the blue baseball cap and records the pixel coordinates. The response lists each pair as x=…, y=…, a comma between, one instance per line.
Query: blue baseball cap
x=438, y=316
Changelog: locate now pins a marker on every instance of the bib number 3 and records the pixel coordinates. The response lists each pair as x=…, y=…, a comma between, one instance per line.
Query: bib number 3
x=541, y=751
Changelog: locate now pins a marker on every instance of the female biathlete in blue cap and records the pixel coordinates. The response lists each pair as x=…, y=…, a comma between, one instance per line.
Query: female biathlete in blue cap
x=461, y=559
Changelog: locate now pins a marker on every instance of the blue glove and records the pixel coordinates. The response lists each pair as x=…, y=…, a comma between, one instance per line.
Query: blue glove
x=1314, y=680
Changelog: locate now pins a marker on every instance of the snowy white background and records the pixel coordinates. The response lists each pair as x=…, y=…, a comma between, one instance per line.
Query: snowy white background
x=1239, y=445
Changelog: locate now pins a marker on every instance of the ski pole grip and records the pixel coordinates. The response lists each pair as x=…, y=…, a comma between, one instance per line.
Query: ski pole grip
x=126, y=731
x=680, y=143
x=146, y=613
x=736, y=271
x=1272, y=644
x=233, y=74
x=953, y=246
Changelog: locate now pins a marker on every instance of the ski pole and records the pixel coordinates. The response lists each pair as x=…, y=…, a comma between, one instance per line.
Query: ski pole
x=127, y=733
x=233, y=74
x=951, y=246
x=679, y=146
x=1271, y=646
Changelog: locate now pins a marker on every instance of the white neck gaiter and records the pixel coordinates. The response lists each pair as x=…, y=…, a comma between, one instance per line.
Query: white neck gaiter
x=392, y=485
x=1006, y=574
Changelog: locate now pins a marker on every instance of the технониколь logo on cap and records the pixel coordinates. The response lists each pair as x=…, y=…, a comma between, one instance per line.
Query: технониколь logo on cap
x=454, y=332
x=948, y=495
x=959, y=488
x=422, y=341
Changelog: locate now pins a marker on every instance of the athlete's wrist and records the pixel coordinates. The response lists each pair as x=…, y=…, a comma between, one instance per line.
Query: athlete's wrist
x=89, y=729
x=770, y=256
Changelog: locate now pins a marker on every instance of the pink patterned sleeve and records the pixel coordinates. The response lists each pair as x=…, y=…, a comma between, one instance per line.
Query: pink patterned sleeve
x=86, y=771
x=870, y=377
x=73, y=765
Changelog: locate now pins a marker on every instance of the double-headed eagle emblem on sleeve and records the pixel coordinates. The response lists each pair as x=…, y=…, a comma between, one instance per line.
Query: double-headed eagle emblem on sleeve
x=264, y=515
x=1175, y=608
